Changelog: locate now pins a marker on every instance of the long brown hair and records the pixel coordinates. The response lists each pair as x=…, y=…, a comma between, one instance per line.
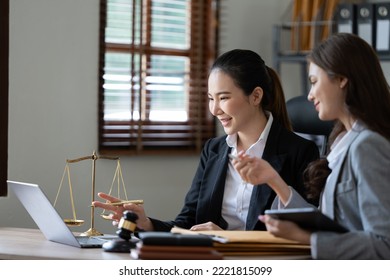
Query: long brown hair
x=367, y=91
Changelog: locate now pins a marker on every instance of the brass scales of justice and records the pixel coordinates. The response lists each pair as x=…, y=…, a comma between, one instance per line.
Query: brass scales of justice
x=118, y=178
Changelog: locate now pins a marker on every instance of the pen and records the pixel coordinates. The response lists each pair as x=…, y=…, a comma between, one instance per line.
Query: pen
x=233, y=157
x=137, y=201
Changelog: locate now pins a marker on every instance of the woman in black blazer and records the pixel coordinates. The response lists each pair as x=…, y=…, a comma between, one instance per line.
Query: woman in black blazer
x=247, y=98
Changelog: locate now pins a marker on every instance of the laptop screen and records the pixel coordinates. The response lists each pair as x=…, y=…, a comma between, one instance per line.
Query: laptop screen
x=45, y=215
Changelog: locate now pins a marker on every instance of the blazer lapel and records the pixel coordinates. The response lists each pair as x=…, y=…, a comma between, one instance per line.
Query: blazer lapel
x=263, y=195
x=327, y=207
x=211, y=210
x=328, y=195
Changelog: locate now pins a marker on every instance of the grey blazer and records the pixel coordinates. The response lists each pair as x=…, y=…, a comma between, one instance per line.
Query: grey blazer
x=357, y=195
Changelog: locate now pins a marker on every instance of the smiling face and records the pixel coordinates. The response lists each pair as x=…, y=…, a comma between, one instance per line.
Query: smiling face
x=327, y=95
x=230, y=105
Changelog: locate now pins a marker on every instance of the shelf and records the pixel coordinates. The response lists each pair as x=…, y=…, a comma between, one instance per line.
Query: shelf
x=283, y=53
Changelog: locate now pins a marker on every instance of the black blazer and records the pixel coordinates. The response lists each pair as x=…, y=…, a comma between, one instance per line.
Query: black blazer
x=287, y=152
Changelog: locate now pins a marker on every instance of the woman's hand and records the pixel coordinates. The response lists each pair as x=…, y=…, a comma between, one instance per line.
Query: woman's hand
x=205, y=226
x=254, y=170
x=257, y=171
x=286, y=229
x=143, y=222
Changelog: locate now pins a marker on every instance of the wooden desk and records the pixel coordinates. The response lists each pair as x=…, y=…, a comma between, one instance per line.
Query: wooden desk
x=28, y=244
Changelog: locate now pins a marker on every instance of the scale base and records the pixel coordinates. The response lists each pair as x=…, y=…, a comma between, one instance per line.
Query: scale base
x=91, y=232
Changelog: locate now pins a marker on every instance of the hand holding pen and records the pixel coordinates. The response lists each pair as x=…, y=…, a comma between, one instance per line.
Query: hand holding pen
x=117, y=207
x=252, y=169
x=258, y=171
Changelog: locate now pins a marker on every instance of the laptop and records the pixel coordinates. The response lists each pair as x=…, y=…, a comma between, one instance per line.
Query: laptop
x=47, y=218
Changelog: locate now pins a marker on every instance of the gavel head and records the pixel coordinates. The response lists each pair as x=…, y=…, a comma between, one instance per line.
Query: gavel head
x=127, y=225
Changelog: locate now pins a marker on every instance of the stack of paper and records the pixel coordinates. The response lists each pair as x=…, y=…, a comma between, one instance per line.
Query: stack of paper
x=247, y=243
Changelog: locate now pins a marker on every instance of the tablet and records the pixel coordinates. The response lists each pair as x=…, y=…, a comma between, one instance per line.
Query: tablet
x=308, y=218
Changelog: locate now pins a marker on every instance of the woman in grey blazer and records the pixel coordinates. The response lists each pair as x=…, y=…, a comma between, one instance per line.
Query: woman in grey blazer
x=353, y=182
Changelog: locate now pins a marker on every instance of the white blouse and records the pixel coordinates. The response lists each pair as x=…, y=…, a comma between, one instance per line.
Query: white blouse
x=237, y=194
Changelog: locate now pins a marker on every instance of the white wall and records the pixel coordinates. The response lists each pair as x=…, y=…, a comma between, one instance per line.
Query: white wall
x=53, y=116
x=248, y=24
x=53, y=105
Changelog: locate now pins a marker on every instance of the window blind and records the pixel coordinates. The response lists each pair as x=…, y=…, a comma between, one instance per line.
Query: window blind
x=154, y=61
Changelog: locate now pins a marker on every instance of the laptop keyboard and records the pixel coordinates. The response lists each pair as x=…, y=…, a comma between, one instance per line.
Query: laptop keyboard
x=91, y=240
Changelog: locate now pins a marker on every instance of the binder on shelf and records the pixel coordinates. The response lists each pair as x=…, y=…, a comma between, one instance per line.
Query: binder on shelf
x=365, y=22
x=346, y=18
x=382, y=14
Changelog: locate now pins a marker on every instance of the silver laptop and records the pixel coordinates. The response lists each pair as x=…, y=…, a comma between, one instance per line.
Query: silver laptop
x=47, y=218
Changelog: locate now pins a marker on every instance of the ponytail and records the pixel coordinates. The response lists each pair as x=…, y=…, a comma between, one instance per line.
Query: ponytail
x=277, y=104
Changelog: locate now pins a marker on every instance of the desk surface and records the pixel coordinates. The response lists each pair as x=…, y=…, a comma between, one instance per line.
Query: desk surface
x=27, y=244
x=22, y=244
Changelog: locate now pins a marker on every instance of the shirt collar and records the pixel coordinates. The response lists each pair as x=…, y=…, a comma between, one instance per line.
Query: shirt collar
x=231, y=139
x=341, y=143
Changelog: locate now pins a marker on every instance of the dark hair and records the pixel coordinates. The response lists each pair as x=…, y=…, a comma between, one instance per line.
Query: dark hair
x=367, y=91
x=248, y=71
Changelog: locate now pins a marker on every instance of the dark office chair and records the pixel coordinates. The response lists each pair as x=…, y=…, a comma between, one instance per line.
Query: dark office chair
x=305, y=122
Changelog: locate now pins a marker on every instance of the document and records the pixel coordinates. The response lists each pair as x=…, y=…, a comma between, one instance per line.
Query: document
x=249, y=243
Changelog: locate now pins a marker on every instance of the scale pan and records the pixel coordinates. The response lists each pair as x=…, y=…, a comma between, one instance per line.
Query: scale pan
x=106, y=217
x=73, y=222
